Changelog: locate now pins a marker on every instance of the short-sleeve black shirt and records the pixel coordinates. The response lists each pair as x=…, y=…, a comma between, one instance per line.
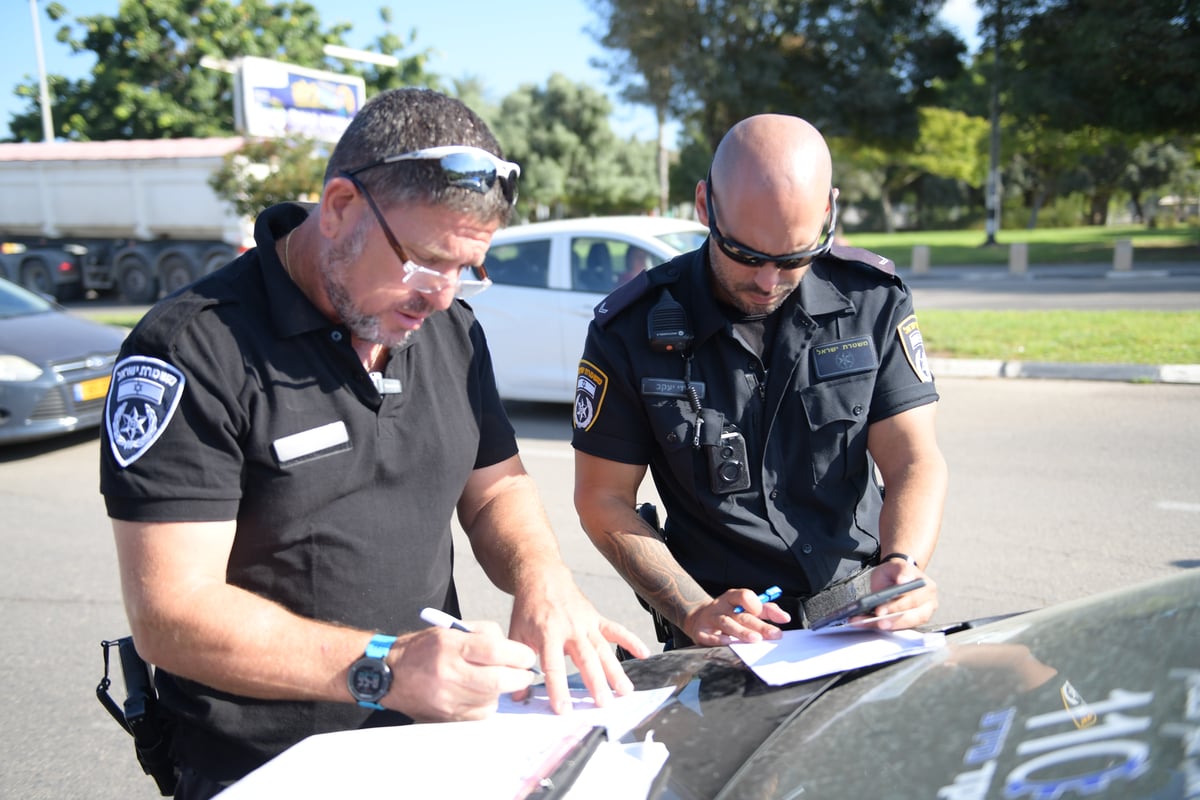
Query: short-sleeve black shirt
x=235, y=399
x=845, y=353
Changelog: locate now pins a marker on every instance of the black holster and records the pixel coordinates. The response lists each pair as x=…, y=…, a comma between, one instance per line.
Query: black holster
x=140, y=716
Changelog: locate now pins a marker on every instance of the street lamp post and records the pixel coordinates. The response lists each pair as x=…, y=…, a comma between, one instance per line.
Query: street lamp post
x=43, y=85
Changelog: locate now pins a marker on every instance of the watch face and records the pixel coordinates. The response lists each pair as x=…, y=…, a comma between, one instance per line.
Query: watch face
x=369, y=679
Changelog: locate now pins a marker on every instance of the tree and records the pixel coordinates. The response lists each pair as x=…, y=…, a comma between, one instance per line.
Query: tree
x=1115, y=64
x=148, y=83
x=643, y=38
x=571, y=161
x=950, y=145
x=852, y=67
x=264, y=172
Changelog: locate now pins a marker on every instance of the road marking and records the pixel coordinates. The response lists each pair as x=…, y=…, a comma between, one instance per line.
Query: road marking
x=1167, y=505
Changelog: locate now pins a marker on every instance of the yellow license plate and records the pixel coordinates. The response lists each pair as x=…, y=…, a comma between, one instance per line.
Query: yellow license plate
x=91, y=389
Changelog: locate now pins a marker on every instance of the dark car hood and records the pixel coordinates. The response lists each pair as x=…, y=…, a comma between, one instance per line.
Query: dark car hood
x=1096, y=698
x=54, y=336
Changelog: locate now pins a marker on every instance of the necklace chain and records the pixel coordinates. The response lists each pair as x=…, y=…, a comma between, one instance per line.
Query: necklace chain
x=287, y=261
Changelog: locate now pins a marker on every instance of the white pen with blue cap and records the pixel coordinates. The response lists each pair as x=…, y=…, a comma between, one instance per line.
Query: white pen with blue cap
x=440, y=619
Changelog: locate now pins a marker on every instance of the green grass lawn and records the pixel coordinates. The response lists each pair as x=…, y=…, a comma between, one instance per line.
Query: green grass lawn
x=1050, y=246
x=1086, y=337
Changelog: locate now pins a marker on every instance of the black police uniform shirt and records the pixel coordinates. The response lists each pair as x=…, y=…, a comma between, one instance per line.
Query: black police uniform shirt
x=845, y=351
x=236, y=399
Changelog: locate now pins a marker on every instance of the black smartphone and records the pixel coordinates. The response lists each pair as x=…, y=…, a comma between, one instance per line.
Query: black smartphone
x=865, y=604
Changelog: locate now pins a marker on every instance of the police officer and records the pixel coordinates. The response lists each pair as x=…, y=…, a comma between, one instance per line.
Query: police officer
x=287, y=440
x=762, y=378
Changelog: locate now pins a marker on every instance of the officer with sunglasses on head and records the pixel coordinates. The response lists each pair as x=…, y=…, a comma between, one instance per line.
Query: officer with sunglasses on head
x=762, y=378
x=287, y=441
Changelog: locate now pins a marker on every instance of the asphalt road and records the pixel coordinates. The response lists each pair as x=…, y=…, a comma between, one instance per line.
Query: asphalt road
x=1058, y=489
x=979, y=289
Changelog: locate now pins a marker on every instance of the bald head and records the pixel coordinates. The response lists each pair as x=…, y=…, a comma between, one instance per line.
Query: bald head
x=771, y=177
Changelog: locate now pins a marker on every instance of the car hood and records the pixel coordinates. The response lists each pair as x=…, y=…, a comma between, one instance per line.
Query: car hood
x=1096, y=698
x=54, y=336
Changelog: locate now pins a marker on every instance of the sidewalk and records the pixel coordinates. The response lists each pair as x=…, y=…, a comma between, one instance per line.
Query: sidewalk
x=987, y=368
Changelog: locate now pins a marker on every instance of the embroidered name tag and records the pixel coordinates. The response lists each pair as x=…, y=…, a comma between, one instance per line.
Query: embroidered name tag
x=847, y=357
x=665, y=387
x=321, y=440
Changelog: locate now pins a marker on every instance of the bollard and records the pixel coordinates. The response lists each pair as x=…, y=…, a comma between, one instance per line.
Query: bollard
x=920, y=259
x=1018, y=258
x=1123, y=255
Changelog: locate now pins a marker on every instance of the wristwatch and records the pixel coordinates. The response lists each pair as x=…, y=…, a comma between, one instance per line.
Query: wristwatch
x=370, y=677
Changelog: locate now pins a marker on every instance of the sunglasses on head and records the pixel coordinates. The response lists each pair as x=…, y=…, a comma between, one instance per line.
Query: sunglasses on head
x=756, y=258
x=467, y=167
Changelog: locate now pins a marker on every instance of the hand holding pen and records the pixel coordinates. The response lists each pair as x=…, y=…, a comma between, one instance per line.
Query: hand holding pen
x=440, y=619
x=446, y=674
x=737, y=615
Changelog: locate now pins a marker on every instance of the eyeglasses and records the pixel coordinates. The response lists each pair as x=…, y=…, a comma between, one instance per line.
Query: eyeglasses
x=423, y=279
x=755, y=258
x=467, y=167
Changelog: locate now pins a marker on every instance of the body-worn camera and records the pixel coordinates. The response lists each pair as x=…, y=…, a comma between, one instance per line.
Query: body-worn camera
x=727, y=468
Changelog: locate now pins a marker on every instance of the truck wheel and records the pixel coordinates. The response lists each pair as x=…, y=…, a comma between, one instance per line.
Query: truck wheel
x=176, y=271
x=36, y=277
x=136, y=281
x=216, y=258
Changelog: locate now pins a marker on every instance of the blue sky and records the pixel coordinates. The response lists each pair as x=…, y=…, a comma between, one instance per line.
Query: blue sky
x=504, y=44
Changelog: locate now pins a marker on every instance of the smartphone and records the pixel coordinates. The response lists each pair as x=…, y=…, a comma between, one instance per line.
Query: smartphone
x=865, y=604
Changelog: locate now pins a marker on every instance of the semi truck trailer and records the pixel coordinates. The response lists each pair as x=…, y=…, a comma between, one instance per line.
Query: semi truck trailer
x=133, y=217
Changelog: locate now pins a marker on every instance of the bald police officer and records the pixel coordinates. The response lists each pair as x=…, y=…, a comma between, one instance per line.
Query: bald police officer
x=762, y=378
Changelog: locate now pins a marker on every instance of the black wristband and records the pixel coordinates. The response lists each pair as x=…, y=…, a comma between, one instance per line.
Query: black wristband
x=902, y=556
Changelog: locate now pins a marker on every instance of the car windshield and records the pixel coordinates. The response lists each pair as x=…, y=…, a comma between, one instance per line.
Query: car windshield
x=683, y=241
x=18, y=302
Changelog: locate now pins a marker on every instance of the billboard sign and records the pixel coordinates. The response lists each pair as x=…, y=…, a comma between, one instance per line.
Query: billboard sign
x=274, y=99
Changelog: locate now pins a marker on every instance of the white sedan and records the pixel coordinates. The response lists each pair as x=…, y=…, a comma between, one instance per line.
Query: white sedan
x=548, y=277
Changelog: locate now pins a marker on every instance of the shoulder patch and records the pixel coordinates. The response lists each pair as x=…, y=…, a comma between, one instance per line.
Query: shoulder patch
x=590, y=386
x=914, y=348
x=863, y=256
x=141, y=401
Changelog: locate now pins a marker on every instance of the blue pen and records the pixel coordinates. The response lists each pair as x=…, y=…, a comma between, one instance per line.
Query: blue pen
x=770, y=594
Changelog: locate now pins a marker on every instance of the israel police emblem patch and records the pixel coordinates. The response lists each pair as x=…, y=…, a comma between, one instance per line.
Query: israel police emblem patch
x=141, y=401
x=590, y=387
x=914, y=348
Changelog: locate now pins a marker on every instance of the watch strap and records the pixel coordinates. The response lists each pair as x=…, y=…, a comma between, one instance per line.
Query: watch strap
x=379, y=645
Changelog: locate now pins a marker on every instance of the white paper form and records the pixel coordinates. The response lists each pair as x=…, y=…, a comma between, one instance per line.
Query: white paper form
x=803, y=654
x=484, y=760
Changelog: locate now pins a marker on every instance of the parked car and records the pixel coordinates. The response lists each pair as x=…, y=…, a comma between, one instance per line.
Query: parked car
x=549, y=276
x=54, y=367
x=1098, y=698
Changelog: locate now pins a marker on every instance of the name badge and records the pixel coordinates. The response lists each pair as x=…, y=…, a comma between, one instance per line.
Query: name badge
x=323, y=440
x=847, y=357
x=665, y=387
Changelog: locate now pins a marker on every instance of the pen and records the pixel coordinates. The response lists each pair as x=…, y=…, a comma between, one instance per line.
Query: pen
x=440, y=619
x=770, y=594
x=556, y=775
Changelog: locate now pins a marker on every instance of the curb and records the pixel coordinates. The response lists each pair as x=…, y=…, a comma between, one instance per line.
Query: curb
x=1128, y=373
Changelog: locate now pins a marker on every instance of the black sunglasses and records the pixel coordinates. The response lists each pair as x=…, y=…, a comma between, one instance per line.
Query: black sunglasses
x=464, y=166
x=756, y=258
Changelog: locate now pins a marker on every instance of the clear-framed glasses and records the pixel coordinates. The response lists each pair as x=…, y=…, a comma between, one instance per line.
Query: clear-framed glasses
x=468, y=167
x=756, y=258
x=467, y=281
